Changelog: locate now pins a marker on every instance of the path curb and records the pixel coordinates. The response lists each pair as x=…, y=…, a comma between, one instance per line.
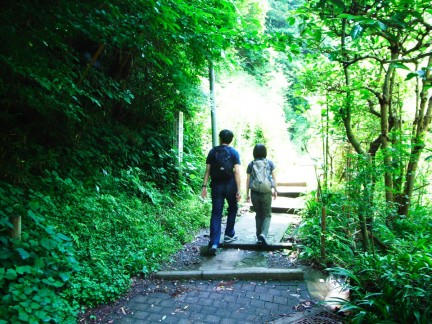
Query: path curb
x=256, y=247
x=240, y=274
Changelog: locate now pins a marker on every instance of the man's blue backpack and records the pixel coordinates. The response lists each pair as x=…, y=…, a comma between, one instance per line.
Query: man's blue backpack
x=222, y=169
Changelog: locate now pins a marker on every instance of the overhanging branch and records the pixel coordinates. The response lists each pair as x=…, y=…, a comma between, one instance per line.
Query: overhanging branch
x=378, y=59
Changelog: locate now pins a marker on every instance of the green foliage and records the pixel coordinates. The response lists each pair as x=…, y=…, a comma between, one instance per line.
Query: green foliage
x=34, y=267
x=395, y=287
x=111, y=237
x=259, y=136
x=89, y=95
x=359, y=59
x=394, y=284
x=340, y=230
x=72, y=67
x=253, y=55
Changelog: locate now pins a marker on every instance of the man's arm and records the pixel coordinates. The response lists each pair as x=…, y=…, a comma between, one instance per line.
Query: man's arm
x=205, y=181
x=237, y=179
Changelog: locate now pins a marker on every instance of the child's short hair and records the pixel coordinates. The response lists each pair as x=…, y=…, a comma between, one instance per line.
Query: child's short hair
x=260, y=151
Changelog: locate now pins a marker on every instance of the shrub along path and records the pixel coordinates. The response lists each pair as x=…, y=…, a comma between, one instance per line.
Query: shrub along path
x=243, y=283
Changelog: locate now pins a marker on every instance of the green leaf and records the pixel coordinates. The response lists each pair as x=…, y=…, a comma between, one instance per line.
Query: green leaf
x=50, y=230
x=11, y=274
x=64, y=276
x=51, y=282
x=400, y=66
x=95, y=101
x=23, y=253
x=333, y=55
x=28, y=291
x=318, y=35
x=62, y=237
x=23, y=315
x=349, y=307
x=58, y=284
x=5, y=255
x=34, y=205
x=24, y=269
x=410, y=76
x=339, y=4
x=42, y=315
x=381, y=25
x=48, y=243
x=291, y=21
x=349, y=17
x=356, y=31
x=44, y=292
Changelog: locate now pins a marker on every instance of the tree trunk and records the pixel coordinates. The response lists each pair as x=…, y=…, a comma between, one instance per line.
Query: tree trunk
x=421, y=126
x=346, y=112
x=346, y=117
x=323, y=232
x=385, y=106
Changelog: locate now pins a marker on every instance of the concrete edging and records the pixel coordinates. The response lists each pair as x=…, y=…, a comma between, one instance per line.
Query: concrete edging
x=256, y=247
x=240, y=274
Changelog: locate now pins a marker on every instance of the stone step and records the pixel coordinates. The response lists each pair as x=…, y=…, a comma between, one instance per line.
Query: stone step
x=293, y=184
x=287, y=205
x=291, y=191
x=246, y=231
x=256, y=247
x=253, y=273
x=286, y=210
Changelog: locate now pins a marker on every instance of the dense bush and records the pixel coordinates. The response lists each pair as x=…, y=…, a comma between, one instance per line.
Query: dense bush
x=391, y=282
x=111, y=235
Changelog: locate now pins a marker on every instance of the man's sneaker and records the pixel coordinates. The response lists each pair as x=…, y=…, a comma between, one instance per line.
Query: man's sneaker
x=262, y=240
x=212, y=250
x=229, y=239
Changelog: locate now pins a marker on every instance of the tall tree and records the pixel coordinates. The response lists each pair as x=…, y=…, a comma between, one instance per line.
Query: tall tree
x=373, y=45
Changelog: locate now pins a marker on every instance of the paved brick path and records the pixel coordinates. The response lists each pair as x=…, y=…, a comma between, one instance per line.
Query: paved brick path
x=214, y=302
x=225, y=300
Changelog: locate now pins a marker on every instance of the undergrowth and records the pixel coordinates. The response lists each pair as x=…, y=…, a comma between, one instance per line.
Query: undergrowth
x=390, y=283
x=83, y=250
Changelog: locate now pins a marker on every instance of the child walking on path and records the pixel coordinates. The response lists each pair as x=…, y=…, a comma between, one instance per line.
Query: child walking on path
x=260, y=187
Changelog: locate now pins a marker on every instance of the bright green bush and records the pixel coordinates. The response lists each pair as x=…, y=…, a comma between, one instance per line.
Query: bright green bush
x=110, y=238
x=395, y=287
x=34, y=268
x=393, y=284
x=340, y=230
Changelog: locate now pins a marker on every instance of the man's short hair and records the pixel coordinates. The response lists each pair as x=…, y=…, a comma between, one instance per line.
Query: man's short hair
x=226, y=136
x=260, y=151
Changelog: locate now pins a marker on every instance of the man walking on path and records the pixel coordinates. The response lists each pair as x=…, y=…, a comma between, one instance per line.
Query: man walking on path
x=222, y=166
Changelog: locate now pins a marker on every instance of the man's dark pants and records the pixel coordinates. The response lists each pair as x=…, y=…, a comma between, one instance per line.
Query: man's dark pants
x=221, y=191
